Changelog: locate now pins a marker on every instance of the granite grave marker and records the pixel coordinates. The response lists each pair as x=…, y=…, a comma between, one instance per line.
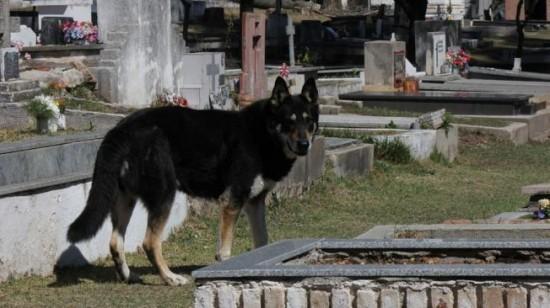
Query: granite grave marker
x=52, y=30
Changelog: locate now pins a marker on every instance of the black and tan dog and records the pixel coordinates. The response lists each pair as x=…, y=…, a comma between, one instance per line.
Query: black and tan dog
x=154, y=152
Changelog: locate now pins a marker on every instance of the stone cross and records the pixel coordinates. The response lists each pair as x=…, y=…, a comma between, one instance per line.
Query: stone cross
x=213, y=72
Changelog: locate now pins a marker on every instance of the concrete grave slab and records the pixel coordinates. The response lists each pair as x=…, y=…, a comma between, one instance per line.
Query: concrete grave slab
x=453, y=101
x=269, y=262
x=349, y=156
x=491, y=231
x=361, y=121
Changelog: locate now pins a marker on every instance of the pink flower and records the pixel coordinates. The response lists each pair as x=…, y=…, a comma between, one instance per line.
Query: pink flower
x=284, y=71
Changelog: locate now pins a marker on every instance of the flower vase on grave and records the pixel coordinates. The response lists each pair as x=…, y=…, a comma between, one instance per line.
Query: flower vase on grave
x=42, y=125
x=46, y=126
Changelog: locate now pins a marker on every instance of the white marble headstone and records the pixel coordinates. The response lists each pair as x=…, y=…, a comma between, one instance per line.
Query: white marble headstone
x=435, y=54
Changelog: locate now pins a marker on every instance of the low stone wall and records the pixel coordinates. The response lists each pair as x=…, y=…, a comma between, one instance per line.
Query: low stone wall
x=337, y=86
x=34, y=226
x=422, y=143
x=381, y=293
x=517, y=133
x=538, y=123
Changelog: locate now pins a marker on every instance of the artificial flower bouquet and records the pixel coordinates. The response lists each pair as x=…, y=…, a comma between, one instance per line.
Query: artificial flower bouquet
x=79, y=32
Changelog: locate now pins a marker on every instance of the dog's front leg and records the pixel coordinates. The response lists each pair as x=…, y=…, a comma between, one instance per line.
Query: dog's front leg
x=228, y=218
x=255, y=210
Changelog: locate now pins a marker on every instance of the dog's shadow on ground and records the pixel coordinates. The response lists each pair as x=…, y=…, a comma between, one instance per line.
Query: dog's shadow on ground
x=106, y=274
x=67, y=275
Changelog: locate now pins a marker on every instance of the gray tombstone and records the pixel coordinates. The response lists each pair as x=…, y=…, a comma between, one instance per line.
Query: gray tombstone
x=451, y=28
x=9, y=64
x=435, y=54
x=52, y=30
x=384, y=65
x=4, y=23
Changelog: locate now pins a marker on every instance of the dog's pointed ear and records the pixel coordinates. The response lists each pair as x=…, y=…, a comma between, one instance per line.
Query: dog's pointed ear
x=309, y=91
x=280, y=92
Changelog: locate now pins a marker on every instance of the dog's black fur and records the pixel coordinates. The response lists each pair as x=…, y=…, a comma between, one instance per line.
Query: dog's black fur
x=154, y=152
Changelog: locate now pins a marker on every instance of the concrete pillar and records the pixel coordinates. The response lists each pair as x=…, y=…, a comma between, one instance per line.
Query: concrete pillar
x=253, y=77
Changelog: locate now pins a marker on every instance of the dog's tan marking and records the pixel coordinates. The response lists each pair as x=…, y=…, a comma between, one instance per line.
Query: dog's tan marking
x=120, y=216
x=228, y=217
x=153, y=248
x=119, y=257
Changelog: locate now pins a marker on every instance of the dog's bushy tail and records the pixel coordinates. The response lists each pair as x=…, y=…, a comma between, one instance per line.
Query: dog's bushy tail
x=105, y=188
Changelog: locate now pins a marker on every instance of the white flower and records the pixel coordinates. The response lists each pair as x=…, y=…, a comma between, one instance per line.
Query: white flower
x=544, y=203
x=50, y=104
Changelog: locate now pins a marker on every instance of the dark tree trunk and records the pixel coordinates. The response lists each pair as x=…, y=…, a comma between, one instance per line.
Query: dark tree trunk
x=530, y=7
x=415, y=10
x=519, y=27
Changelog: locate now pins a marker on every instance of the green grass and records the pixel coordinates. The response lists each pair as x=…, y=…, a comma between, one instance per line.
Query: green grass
x=12, y=135
x=378, y=111
x=394, y=151
x=482, y=121
x=485, y=180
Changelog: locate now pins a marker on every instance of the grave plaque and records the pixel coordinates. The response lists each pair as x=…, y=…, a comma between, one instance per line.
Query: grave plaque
x=52, y=30
x=384, y=66
x=435, y=54
x=9, y=64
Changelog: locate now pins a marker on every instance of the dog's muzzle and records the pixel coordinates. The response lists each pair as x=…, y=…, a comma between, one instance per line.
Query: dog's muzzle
x=302, y=146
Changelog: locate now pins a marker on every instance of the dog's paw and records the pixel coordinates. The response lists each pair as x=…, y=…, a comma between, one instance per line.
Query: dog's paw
x=176, y=280
x=221, y=258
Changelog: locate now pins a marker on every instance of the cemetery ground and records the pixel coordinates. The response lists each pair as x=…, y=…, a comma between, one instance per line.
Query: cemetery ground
x=484, y=181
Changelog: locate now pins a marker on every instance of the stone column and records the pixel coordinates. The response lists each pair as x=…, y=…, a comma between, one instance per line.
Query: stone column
x=4, y=24
x=253, y=77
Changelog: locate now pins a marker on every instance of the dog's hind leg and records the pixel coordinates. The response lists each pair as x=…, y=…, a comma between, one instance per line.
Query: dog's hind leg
x=228, y=218
x=120, y=216
x=255, y=210
x=153, y=246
